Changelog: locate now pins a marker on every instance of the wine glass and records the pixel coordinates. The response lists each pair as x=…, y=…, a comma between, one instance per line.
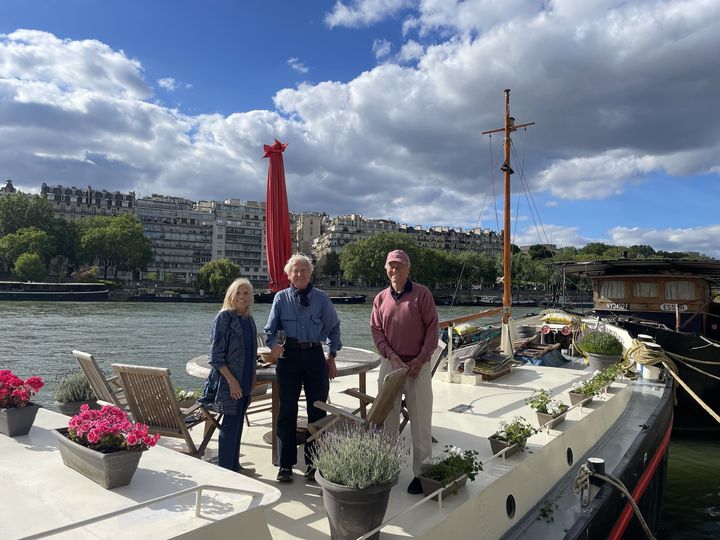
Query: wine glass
x=280, y=337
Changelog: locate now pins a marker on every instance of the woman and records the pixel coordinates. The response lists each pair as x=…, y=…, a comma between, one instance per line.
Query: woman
x=233, y=357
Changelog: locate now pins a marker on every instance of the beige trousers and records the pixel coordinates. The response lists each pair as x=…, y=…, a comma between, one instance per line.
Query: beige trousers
x=419, y=399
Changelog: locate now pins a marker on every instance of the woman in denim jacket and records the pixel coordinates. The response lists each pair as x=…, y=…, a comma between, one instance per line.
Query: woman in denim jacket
x=233, y=357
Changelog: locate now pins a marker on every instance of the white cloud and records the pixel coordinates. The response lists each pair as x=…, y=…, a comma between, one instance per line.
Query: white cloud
x=364, y=12
x=410, y=52
x=381, y=48
x=297, y=65
x=168, y=83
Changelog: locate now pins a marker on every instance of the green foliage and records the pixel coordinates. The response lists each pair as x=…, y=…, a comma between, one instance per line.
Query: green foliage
x=452, y=464
x=600, y=379
x=216, y=276
x=600, y=342
x=117, y=242
x=18, y=211
x=332, y=264
x=29, y=267
x=181, y=394
x=71, y=387
x=86, y=274
x=27, y=240
x=365, y=259
x=542, y=401
x=538, y=251
x=358, y=458
x=517, y=431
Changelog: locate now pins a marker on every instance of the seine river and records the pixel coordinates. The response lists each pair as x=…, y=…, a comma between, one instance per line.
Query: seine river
x=36, y=339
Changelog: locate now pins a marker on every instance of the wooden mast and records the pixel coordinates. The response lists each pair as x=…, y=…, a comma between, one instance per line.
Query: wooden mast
x=507, y=170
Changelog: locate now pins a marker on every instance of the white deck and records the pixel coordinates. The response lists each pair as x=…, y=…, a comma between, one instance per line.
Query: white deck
x=53, y=494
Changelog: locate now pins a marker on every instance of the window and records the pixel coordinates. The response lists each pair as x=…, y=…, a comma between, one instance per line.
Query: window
x=679, y=290
x=612, y=289
x=645, y=290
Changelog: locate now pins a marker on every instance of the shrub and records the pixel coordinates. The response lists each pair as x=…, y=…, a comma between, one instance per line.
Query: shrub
x=517, y=431
x=359, y=458
x=73, y=386
x=600, y=342
x=543, y=402
x=452, y=464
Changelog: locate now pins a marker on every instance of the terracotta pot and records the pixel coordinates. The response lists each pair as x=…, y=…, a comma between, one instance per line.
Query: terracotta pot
x=17, y=421
x=430, y=486
x=544, y=418
x=109, y=470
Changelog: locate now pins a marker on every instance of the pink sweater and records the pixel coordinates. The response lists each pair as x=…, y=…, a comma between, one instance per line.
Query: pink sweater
x=408, y=327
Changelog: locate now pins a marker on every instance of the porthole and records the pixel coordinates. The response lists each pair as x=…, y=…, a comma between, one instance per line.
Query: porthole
x=510, y=506
x=570, y=458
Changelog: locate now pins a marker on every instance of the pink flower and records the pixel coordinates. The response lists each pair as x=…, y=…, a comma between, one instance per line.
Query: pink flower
x=109, y=430
x=14, y=392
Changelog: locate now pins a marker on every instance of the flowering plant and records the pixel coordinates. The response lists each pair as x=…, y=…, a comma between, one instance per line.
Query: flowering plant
x=600, y=379
x=109, y=430
x=453, y=463
x=15, y=392
x=182, y=395
x=515, y=432
x=542, y=401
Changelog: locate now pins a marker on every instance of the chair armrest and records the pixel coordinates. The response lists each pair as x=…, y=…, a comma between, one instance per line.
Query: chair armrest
x=354, y=392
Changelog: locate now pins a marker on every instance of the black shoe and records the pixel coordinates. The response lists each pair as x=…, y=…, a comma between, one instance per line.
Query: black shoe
x=310, y=474
x=415, y=487
x=285, y=475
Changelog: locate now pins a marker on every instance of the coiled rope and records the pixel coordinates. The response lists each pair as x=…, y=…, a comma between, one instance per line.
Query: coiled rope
x=645, y=356
x=582, y=486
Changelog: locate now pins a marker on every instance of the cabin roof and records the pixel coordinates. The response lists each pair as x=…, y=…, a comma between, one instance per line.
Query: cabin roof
x=623, y=267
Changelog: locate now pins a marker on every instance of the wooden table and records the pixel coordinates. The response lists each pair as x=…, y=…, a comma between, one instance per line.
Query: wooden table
x=349, y=361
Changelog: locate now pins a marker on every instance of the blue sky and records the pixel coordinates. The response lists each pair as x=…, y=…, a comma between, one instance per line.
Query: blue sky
x=382, y=103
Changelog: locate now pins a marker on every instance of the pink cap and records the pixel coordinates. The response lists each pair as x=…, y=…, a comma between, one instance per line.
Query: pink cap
x=399, y=256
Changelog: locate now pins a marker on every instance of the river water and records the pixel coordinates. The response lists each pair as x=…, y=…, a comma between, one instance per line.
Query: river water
x=36, y=338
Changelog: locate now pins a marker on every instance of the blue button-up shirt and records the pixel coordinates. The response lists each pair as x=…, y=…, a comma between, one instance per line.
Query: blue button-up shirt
x=317, y=322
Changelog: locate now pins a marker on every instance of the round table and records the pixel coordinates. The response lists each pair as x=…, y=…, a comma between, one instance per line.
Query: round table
x=349, y=361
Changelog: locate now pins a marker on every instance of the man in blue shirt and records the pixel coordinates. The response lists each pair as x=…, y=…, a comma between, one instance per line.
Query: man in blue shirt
x=308, y=318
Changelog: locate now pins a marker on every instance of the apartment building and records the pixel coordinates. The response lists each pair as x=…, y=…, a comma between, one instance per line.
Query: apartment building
x=74, y=203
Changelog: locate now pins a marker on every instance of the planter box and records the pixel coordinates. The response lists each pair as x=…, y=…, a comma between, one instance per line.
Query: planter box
x=544, y=418
x=17, y=421
x=497, y=445
x=576, y=398
x=602, y=361
x=430, y=486
x=108, y=470
x=187, y=403
x=71, y=408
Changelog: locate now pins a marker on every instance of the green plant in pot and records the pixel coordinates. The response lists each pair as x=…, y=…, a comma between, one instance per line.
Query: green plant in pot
x=356, y=469
x=549, y=409
x=71, y=390
x=603, y=348
x=450, y=470
x=516, y=432
x=187, y=398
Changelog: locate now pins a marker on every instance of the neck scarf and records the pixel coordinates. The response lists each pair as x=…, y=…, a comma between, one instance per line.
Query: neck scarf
x=301, y=295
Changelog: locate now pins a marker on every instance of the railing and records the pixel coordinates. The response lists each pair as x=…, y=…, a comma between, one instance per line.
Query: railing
x=450, y=325
x=256, y=497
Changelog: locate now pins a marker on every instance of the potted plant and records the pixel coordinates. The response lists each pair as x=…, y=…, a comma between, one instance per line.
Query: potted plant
x=73, y=390
x=512, y=435
x=356, y=469
x=451, y=471
x=187, y=398
x=17, y=411
x=583, y=390
x=549, y=410
x=104, y=445
x=602, y=348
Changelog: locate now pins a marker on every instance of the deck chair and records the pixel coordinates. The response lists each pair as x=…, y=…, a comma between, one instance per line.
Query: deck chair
x=107, y=390
x=380, y=408
x=151, y=399
x=260, y=401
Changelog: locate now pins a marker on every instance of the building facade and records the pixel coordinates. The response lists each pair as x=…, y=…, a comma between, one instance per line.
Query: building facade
x=74, y=203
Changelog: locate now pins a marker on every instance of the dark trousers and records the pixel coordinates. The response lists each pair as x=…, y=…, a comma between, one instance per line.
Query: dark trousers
x=297, y=369
x=230, y=433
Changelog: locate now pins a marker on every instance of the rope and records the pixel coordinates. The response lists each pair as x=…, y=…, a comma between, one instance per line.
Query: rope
x=582, y=486
x=695, y=396
x=687, y=364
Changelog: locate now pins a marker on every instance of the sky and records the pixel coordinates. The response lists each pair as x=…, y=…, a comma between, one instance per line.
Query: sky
x=382, y=104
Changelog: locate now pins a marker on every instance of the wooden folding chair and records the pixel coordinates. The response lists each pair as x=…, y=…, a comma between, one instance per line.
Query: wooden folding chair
x=151, y=399
x=382, y=404
x=107, y=390
x=260, y=401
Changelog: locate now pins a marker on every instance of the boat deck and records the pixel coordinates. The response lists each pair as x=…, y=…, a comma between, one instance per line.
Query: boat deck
x=464, y=415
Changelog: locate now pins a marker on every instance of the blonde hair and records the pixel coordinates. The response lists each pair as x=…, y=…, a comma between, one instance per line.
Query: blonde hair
x=299, y=258
x=232, y=291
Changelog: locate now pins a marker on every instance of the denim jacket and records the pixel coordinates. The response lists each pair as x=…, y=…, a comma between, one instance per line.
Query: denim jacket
x=227, y=348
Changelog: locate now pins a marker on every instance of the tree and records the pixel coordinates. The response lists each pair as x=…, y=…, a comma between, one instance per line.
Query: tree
x=365, y=259
x=66, y=244
x=18, y=211
x=538, y=251
x=332, y=264
x=29, y=267
x=117, y=242
x=641, y=251
x=27, y=240
x=217, y=275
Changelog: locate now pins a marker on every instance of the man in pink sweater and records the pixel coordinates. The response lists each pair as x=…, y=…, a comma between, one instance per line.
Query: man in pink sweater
x=404, y=324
